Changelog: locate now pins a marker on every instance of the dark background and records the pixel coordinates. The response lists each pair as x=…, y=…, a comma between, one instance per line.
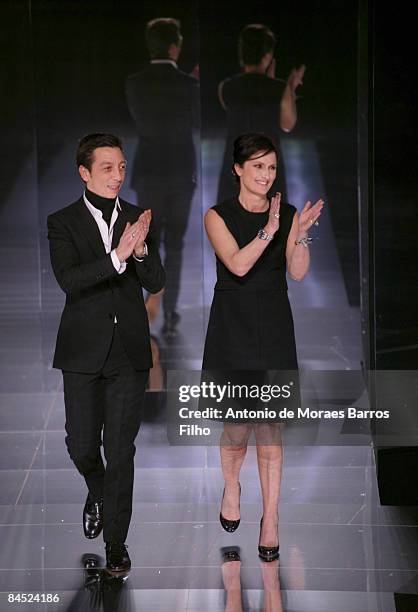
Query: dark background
x=65, y=64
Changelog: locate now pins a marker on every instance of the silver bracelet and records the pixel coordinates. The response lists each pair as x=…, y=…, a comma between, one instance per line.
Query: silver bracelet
x=304, y=241
x=263, y=235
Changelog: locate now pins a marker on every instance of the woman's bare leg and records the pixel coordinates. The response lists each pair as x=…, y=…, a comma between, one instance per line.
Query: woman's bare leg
x=271, y=582
x=153, y=305
x=233, y=448
x=232, y=585
x=270, y=461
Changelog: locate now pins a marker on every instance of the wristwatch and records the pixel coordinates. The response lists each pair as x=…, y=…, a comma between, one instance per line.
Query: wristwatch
x=263, y=235
x=144, y=254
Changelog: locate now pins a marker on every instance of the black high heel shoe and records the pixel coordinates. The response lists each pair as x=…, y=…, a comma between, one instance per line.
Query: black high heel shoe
x=267, y=553
x=228, y=525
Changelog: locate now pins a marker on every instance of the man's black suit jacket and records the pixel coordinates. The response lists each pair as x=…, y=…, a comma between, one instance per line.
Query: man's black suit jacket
x=164, y=103
x=96, y=293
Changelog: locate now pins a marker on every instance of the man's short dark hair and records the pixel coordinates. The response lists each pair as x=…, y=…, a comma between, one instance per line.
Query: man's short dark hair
x=90, y=142
x=255, y=40
x=160, y=34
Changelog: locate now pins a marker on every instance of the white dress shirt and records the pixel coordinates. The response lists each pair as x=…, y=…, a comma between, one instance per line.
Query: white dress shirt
x=106, y=231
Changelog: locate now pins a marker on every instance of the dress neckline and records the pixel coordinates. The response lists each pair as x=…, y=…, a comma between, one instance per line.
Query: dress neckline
x=251, y=212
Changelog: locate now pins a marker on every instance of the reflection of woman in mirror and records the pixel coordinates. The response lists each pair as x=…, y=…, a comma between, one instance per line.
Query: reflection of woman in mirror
x=256, y=101
x=271, y=584
x=231, y=576
x=250, y=329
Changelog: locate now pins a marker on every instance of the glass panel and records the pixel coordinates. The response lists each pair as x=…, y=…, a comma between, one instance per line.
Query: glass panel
x=20, y=305
x=101, y=80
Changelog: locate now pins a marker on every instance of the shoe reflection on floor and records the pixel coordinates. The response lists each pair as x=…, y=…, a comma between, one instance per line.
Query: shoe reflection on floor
x=101, y=591
x=231, y=575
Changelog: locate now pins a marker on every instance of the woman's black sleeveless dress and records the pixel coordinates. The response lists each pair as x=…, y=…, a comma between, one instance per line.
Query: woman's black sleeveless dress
x=250, y=329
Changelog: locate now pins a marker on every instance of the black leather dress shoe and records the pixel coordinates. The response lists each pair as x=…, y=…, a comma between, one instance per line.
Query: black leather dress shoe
x=92, y=518
x=117, y=558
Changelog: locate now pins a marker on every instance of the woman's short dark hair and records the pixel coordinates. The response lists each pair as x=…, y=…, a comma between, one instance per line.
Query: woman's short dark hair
x=89, y=143
x=250, y=146
x=255, y=40
x=160, y=34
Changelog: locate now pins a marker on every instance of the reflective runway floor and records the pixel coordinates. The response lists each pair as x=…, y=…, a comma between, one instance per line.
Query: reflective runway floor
x=341, y=551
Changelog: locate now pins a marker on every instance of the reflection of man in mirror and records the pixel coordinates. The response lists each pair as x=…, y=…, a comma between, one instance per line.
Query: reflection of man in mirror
x=256, y=101
x=163, y=102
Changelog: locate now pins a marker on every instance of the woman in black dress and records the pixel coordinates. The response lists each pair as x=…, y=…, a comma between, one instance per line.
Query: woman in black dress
x=250, y=328
x=256, y=101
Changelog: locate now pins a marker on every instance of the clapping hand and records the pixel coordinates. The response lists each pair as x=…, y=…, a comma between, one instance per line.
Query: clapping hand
x=309, y=215
x=274, y=214
x=144, y=221
x=295, y=78
x=133, y=237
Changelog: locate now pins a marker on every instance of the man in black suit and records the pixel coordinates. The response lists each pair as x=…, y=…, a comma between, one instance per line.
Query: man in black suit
x=103, y=252
x=164, y=103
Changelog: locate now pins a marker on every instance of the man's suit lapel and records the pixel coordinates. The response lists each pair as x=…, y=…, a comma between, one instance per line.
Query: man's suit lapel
x=119, y=226
x=89, y=228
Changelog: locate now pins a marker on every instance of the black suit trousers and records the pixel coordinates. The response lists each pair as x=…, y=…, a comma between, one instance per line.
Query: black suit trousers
x=106, y=407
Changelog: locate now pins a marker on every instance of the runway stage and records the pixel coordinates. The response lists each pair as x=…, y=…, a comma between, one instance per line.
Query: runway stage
x=340, y=549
